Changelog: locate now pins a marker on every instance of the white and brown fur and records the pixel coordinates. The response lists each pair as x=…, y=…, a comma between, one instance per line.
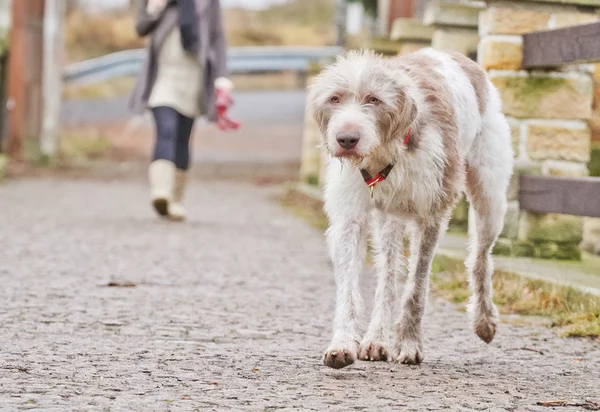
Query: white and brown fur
x=460, y=142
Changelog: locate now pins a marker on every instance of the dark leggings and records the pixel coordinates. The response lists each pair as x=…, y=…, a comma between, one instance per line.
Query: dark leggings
x=173, y=131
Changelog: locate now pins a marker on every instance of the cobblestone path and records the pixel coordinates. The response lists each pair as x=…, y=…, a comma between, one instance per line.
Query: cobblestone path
x=230, y=311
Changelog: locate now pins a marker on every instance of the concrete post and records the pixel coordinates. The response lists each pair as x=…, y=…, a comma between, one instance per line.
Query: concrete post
x=52, y=76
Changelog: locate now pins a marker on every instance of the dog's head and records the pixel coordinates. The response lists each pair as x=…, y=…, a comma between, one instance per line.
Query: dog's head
x=360, y=104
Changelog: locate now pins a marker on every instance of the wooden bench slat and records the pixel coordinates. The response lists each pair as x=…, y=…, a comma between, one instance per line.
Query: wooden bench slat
x=570, y=196
x=576, y=44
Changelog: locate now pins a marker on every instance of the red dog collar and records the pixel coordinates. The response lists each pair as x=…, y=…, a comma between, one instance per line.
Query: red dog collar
x=383, y=174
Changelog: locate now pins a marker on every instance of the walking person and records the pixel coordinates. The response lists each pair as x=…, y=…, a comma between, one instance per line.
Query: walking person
x=184, y=72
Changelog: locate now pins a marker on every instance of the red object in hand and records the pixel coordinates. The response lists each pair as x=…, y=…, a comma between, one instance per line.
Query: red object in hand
x=224, y=102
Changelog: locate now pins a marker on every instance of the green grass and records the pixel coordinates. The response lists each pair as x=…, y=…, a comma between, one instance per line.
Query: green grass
x=575, y=313
x=123, y=86
x=293, y=23
x=78, y=148
x=113, y=88
x=571, y=312
x=305, y=208
x=303, y=12
x=3, y=166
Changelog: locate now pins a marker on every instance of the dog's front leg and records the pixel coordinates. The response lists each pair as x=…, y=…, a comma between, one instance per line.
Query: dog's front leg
x=409, y=346
x=347, y=244
x=390, y=263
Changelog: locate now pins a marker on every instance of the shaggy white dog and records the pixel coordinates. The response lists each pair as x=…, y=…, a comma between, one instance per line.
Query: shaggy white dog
x=407, y=136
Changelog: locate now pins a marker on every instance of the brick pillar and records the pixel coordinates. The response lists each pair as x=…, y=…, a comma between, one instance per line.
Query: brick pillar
x=409, y=35
x=591, y=226
x=549, y=137
x=455, y=25
x=400, y=9
x=25, y=79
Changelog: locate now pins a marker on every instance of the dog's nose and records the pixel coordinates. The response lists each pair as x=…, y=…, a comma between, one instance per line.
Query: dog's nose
x=348, y=140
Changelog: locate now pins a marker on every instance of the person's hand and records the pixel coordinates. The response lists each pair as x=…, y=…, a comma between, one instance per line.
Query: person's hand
x=224, y=100
x=224, y=88
x=155, y=7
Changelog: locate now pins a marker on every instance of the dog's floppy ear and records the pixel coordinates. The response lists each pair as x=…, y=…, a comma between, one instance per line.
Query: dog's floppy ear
x=397, y=120
x=317, y=108
x=407, y=116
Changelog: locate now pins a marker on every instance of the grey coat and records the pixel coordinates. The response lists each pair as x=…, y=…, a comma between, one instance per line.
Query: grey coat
x=212, y=54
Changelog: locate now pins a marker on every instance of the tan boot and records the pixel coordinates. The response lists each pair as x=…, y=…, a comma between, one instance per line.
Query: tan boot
x=176, y=209
x=161, y=174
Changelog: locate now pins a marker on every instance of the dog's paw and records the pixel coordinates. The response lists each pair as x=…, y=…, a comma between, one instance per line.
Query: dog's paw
x=371, y=350
x=340, y=355
x=485, y=318
x=408, y=352
x=485, y=325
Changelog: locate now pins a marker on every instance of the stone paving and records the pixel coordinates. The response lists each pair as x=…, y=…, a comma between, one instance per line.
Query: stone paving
x=228, y=312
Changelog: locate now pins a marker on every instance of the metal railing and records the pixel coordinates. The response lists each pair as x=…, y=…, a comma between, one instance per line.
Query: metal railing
x=240, y=60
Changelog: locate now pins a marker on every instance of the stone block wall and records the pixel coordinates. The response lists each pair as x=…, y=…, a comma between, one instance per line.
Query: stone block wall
x=410, y=35
x=594, y=165
x=549, y=112
x=455, y=24
x=591, y=226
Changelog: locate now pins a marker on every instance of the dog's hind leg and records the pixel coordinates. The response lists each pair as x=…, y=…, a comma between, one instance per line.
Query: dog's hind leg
x=409, y=347
x=390, y=263
x=489, y=168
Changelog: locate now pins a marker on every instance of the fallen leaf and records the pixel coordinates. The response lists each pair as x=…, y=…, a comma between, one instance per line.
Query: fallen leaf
x=558, y=402
x=117, y=284
x=113, y=323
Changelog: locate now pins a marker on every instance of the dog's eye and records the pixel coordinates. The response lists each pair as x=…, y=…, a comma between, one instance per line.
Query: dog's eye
x=335, y=99
x=373, y=100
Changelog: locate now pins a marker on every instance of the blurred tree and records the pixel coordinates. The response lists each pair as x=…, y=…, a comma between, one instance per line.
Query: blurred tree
x=366, y=17
x=370, y=6
x=340, y=19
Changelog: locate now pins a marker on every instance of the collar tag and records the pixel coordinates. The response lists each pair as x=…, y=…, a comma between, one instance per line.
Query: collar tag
x=371, y=182
x=382, y=175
